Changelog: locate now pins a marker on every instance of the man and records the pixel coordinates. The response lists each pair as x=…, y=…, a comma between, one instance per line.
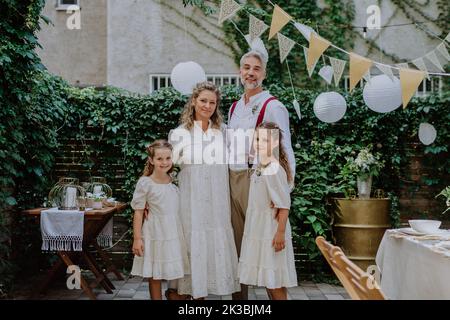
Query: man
x=255, y=106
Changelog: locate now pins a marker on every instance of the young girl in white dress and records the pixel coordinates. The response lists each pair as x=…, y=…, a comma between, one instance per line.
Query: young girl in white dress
x=158, y=244
x=267, y=255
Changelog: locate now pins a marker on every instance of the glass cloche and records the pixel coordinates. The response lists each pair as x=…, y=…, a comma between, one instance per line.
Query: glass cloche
x=65, y=194
x=98, y=186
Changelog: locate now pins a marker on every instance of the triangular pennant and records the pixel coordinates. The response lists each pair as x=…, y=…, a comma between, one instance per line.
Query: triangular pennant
x=367, y=76
x=326, y=72
x=410, y=81
x=402, y=65
x=285, y=45
x=443, y=51
x=338, y=69
x=420, y=64
x=256, y=27
x=386, y=70
x=358, y=68
x=228, y=8
x=317, y=46
x=311, y=69
x=297, y=109
x=305, y=30
x=434, y=60
x=447, y=38
x=279, y=20
x=257, y=45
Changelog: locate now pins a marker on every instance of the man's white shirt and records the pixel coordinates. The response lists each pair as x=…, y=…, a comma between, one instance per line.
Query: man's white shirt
x=245, y=116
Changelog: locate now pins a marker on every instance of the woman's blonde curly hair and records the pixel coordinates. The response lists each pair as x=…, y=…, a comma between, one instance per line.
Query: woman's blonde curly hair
x=188, y=115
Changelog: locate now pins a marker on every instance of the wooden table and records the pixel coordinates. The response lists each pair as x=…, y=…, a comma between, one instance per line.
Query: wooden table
x=94, y=221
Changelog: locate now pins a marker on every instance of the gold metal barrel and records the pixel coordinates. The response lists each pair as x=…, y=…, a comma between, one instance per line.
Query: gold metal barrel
x=359, y=226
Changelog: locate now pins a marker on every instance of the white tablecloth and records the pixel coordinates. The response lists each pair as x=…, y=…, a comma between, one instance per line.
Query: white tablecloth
x=410, y=269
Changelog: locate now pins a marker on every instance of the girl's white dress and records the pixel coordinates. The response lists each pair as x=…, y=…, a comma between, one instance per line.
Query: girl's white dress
x=165, y=255
x=205, y=211
x=259, y=264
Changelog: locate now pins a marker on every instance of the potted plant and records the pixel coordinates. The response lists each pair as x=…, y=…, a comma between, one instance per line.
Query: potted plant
x=446, y=193
x=365, y=166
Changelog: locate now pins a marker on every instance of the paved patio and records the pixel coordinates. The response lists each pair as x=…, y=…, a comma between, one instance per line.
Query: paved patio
x=134, y=288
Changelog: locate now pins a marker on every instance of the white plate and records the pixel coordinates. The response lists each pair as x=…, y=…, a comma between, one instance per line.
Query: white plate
x=413, y=232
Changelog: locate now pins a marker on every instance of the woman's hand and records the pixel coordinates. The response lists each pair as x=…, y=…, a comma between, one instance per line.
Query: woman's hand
x=279, y=242
x=138, y=247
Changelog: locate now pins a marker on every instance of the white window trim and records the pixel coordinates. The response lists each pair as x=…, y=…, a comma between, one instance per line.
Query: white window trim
x=63, y=7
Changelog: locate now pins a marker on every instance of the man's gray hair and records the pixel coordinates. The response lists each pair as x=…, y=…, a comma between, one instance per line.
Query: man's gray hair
x=255, y=54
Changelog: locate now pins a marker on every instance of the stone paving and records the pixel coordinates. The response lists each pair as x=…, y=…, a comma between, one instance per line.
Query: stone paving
x=135, y=288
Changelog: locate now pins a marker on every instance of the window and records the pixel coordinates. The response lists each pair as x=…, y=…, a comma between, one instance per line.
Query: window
x=162, y=80
x=65, y=4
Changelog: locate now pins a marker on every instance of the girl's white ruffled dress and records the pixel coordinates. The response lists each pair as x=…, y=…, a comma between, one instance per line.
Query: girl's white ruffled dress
x=259, y=264
x=165, y=255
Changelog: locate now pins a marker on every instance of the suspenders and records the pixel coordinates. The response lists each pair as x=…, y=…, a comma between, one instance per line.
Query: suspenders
x=258, y=121
x=261, y=113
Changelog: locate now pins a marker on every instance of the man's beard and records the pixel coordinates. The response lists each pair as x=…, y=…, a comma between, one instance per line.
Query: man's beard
x=251, y=86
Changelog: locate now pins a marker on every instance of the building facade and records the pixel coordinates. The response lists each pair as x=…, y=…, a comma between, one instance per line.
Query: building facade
x=134, y=44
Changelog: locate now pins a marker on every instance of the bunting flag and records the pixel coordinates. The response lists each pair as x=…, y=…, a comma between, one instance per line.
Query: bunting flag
x=434, y=60
x=256, y=27
x=279, y=20
x=338, y=66
x=443, y=51
x=447, y=38
x=285, y=45
x=317, y=46
x=367, y=76
x=420, y=64
x=358, y=68
x=385, y=70
x=410, y=81
x=402, y=65
x=310, y=70
x=228, y=9
x=305, y=30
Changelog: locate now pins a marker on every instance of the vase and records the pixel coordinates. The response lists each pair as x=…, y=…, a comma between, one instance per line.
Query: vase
x=364, y=187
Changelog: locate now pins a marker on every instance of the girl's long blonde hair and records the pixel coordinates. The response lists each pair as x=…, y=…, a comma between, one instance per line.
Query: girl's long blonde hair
x=188, y=116
x=157, y=144
x=274, y=129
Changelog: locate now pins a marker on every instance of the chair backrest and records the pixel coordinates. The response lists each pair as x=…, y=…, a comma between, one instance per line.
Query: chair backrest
x=359, y=284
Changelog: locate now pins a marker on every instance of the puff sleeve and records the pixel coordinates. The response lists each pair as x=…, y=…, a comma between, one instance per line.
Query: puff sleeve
x=140, y=193
x=278, y=187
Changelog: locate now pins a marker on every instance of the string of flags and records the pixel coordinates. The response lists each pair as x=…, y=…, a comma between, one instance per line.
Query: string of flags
x=359, y=66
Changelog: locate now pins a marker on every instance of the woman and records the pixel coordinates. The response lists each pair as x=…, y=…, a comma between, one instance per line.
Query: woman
x=200, y=150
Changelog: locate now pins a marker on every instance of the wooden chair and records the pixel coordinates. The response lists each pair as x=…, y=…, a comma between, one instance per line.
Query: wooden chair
x=359, y=284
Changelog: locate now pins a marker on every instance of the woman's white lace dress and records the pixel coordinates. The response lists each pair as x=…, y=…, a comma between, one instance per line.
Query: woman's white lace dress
x=206, y=216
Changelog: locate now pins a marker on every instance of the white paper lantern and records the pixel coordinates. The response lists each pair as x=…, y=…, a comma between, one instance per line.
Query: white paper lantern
x=186, y=75
x=382, y=94
x=427, y=133
x=330, y=107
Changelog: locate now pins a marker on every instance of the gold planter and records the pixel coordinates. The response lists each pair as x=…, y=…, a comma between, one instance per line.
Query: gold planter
x=359, y=226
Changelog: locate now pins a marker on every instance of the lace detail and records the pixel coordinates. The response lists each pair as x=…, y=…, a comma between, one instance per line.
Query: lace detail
x=256, y=28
